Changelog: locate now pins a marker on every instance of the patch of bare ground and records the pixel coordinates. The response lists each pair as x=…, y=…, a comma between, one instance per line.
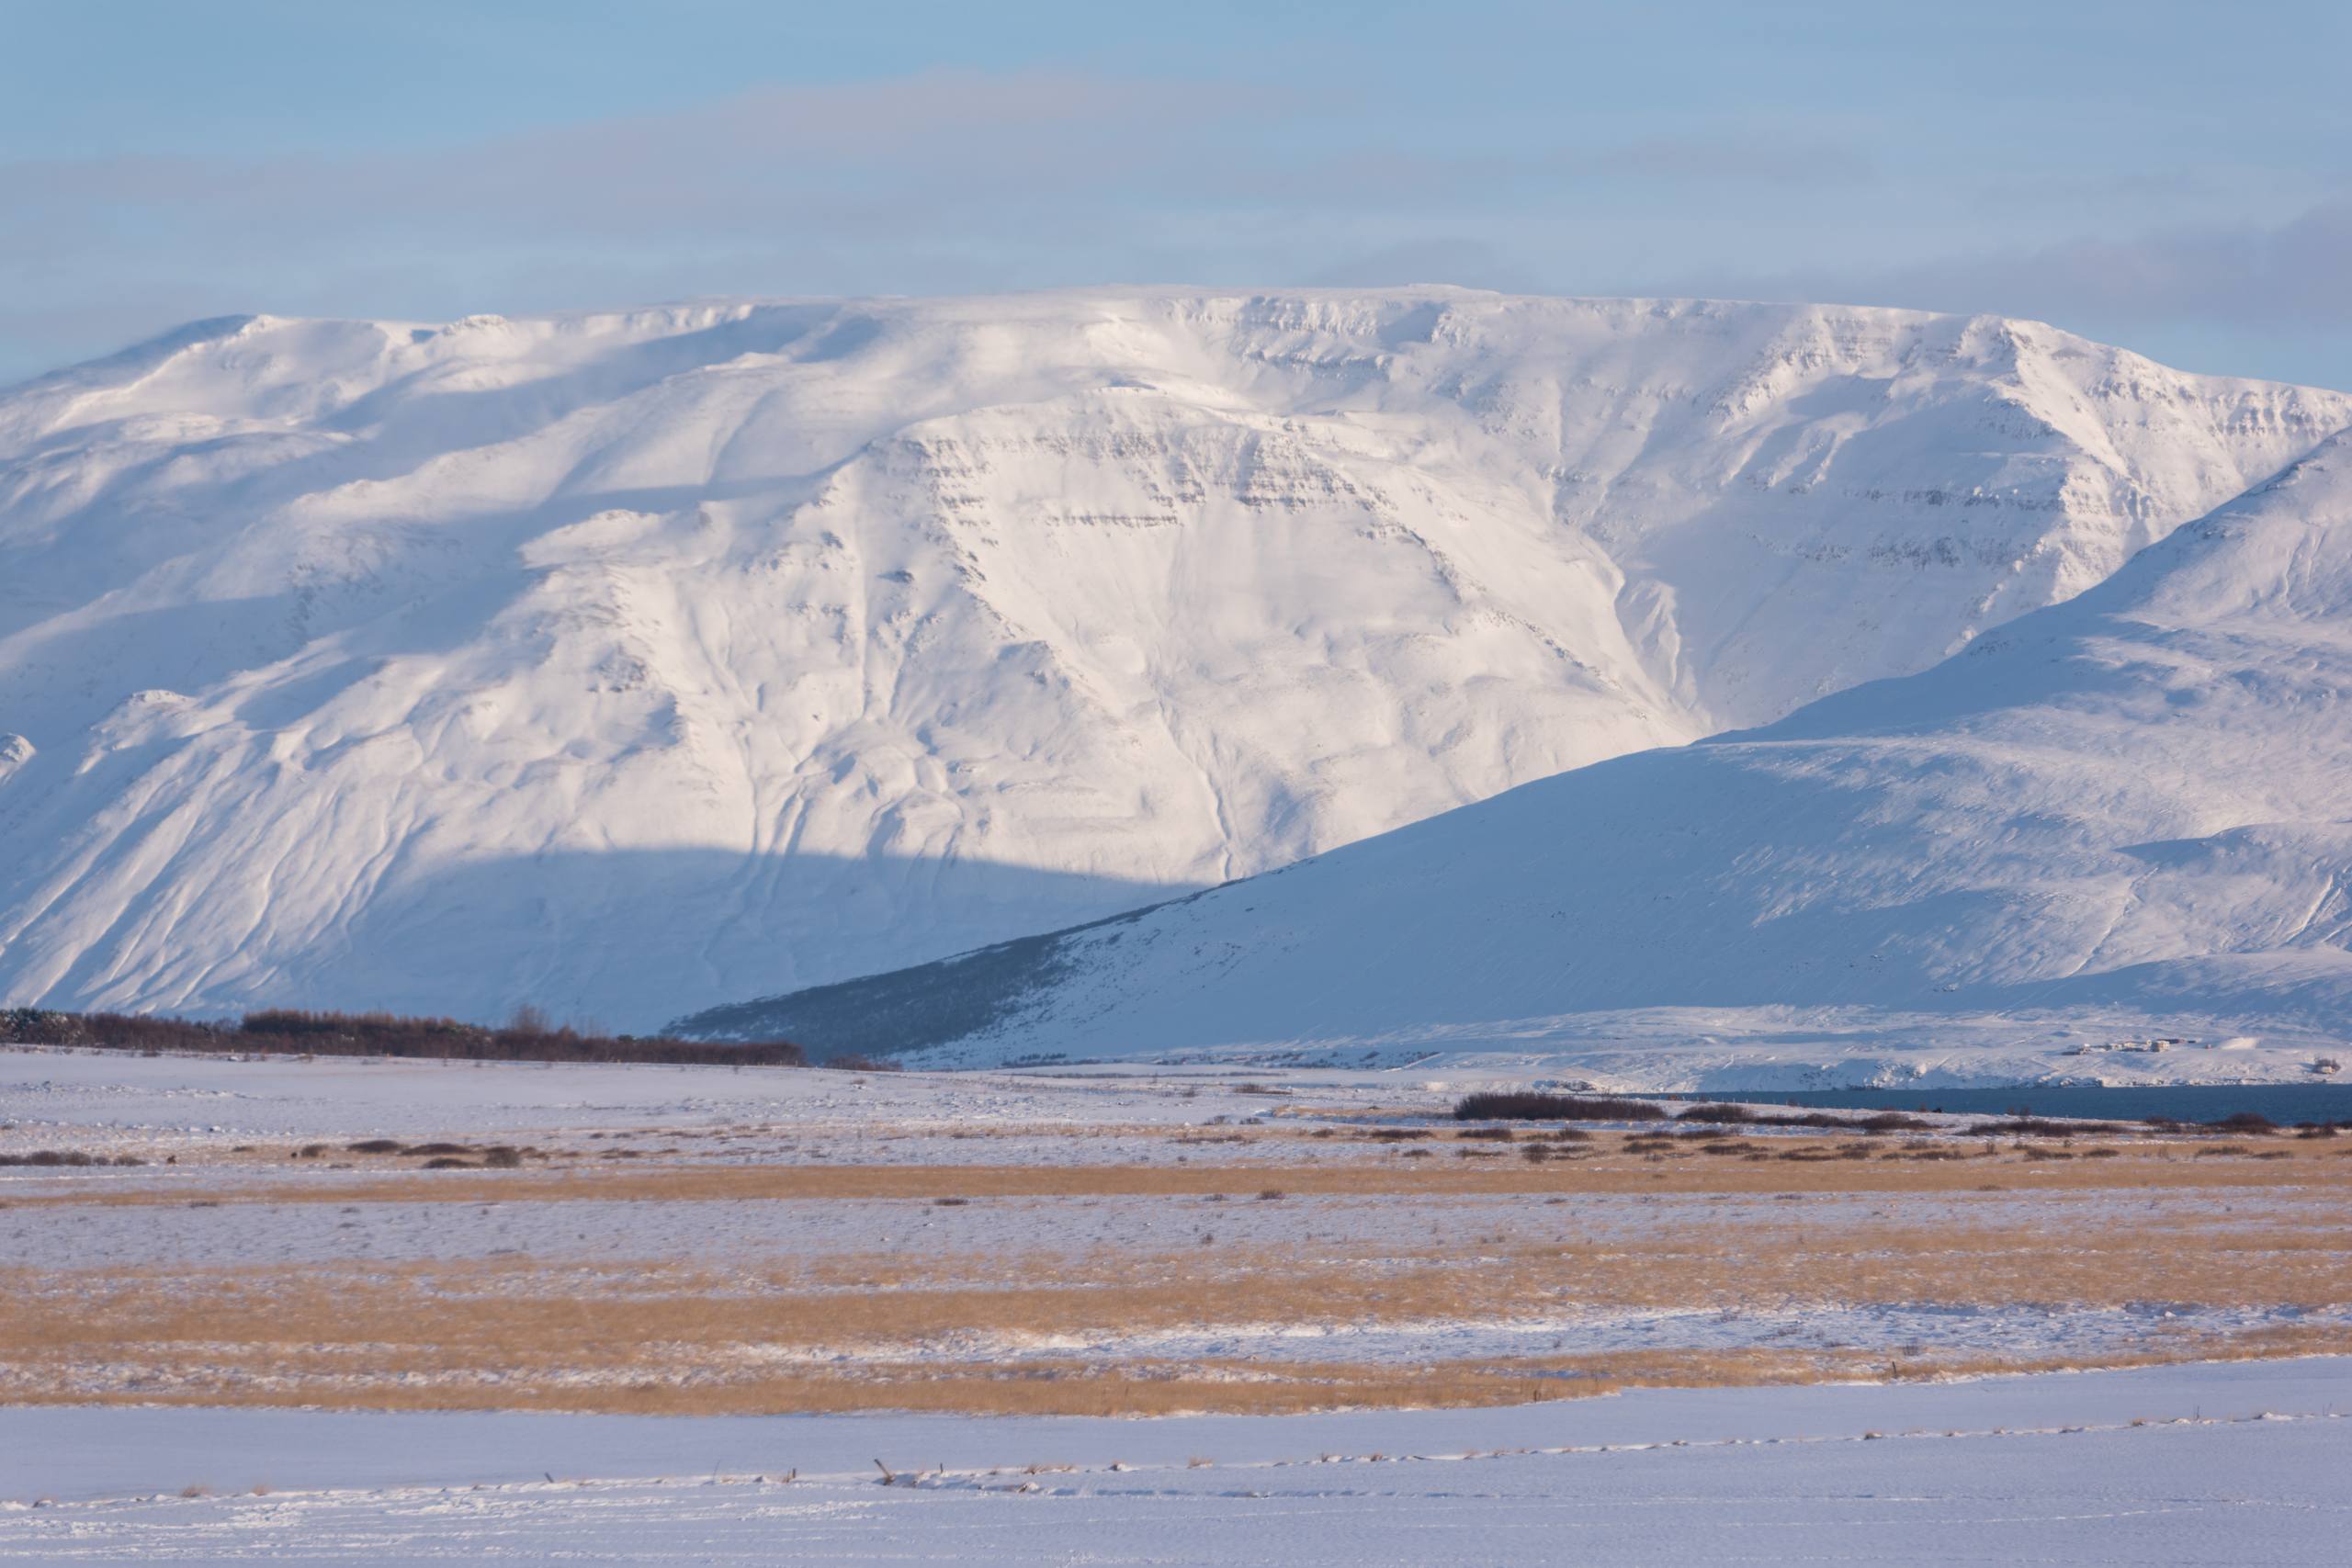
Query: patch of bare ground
x=863, y=1330
x=1077, y=1387
x=1663, y=1164
x=1984, y=1221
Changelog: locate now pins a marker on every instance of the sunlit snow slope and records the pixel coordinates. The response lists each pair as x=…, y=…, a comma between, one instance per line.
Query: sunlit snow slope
x=628, y=663
x=2133, y=806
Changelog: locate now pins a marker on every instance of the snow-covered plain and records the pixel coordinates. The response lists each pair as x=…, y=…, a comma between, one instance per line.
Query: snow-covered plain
x=788, y=1197
x=630, y=663
x=224, y=1270
x=2107, y=842
x=2171, y=1465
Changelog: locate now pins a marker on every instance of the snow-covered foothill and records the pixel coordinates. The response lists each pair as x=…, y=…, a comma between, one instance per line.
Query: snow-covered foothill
x=2108, y=839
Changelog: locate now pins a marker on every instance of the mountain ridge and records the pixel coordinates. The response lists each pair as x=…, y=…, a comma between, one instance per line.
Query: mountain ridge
x=341, y=652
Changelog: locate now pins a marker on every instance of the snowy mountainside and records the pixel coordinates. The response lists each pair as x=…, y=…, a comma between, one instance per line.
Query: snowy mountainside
x=628, y=663
x=2122, y=816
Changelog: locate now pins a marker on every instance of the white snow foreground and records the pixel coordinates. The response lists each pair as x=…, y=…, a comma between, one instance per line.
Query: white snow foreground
x=631, y=663
x=2182, y=1465
x=2111, y=826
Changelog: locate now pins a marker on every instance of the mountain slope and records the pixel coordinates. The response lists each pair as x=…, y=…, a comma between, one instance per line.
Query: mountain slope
x=2131, y=808
x=628, y=663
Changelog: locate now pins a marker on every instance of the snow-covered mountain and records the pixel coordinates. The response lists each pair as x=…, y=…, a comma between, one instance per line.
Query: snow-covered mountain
x=2122, y=816
x=626, y=664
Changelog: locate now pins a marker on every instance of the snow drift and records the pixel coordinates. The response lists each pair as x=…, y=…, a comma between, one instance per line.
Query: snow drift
x=625, y=664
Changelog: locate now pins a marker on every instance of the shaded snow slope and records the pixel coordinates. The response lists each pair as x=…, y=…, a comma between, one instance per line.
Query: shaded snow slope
x=2133, y=806
x=630, y=663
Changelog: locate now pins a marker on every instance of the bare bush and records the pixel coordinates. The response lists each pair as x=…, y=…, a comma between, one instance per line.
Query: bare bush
x=1749, y=1116
x=70, y=1157
x=1527, y=1105
x=2039, y=1127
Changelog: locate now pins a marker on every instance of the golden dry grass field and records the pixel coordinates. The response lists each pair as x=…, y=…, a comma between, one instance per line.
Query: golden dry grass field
x=1321, y=1262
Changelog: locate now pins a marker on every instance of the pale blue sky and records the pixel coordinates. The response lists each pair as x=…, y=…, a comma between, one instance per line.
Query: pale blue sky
x=2175, y=178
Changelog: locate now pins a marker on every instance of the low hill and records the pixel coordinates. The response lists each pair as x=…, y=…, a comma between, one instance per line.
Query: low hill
x=2113, y=824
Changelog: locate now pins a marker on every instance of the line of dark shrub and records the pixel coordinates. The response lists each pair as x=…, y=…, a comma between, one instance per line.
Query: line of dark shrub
x=2253, y=1122
x=1726, y=1114
x=68, y=1157
x=2042, y=1127
x=290, y=1030
x=1526, y=1105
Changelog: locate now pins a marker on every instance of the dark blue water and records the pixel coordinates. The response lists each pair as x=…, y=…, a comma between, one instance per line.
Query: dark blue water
x=2283, y=1103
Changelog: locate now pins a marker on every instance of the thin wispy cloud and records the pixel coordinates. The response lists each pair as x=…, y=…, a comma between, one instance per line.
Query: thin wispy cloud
x=2171, y=291
x=2284, y=274
x=2010, y=165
